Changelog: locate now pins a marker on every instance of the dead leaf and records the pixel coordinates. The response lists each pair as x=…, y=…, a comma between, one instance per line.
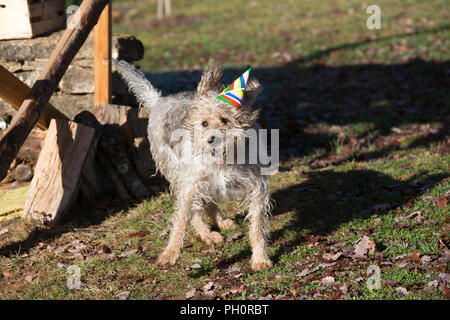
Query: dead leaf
x=191, y=293
x=234, y=237
x=414, y=257
x=8, y=274
x=105, y=249
x=127, y=253
x=327, y=281
x=140, y=233
x=307, y=271
x=442, y=202
x=332, y=257
x=124, y=295
x=363, y=247
x=30, y=277
x=446, y=291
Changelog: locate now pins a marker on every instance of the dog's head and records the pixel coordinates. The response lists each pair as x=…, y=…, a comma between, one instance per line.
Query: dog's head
x=213, y=121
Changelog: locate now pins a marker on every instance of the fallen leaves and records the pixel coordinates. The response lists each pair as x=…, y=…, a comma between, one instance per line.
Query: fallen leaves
x=124, y=295
x=331, y=256
x=414, y=257
x=442, y=201
x=191, y=293
x=127, y=253
x=233, y=237
x=140, y=233
x=364, y=247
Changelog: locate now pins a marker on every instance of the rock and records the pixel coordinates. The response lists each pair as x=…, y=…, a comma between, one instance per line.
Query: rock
x=28, y=77
x=11, y=66
x=34, y=65
x=71, y=105
x=124, y=47
x=22, y=173
x=78, y=80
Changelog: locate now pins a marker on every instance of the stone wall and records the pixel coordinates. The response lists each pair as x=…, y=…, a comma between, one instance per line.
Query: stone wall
x=26, y=58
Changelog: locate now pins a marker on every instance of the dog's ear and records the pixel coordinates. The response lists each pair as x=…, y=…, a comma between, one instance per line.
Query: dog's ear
x=252, y=90
x=211, y=78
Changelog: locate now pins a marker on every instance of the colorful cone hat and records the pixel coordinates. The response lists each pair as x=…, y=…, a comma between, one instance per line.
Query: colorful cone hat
x=234, y=93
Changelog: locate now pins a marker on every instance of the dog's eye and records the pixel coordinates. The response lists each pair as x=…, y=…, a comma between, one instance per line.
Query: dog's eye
x=224, y=120
x=205, y=123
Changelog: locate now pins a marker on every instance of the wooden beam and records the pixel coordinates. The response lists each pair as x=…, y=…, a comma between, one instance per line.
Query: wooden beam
x=32, y=108
x=14, y=91
x=102, y=58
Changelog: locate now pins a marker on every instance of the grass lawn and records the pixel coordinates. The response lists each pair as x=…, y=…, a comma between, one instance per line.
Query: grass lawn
x=364, y=145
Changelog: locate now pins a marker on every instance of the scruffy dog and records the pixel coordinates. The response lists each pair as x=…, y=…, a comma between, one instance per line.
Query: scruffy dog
x=201, y=179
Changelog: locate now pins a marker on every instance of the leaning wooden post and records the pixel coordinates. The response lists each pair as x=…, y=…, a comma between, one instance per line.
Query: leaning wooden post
x=102, y=58
x=14, y=91
x=32, y=108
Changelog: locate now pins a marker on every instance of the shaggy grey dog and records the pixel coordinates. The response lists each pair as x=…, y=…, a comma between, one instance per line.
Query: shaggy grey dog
x=189, y=136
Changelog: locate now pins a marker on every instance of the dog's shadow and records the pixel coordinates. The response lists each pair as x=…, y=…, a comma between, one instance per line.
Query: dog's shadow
x=327, y=200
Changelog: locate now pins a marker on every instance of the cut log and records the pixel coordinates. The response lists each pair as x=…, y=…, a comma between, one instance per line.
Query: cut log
x=132, y=123
x=57, y=174
x=111, y=148
x=32, y=108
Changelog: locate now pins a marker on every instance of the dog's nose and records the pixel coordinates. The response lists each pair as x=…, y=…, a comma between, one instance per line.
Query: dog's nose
x=211, y=139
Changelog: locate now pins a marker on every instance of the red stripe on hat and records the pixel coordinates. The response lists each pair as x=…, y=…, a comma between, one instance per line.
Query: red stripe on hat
x=233, y=102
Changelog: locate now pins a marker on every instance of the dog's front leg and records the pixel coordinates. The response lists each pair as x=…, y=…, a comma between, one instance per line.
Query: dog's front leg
x=180, y=225
x=258, y=235
x=203, y=230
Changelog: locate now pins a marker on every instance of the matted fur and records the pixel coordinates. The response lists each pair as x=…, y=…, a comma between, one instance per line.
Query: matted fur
x=199, y=184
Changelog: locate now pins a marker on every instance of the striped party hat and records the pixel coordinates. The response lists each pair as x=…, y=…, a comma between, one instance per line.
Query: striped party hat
x=234, y=93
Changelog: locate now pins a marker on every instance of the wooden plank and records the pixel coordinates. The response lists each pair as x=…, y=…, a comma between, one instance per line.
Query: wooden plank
x=51, y=24
x=102, y=58
x=57, y=173
x=47, y=9
x=14, y=91
x=14, y=20
x=32, y=108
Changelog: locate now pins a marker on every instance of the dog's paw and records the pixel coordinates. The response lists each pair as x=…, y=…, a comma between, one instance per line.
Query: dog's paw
x=213, y=238
x=261, y=265
x=167, y=258
x=227, y=224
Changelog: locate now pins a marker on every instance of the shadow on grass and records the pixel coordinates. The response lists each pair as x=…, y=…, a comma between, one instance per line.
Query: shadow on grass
x=328, y=199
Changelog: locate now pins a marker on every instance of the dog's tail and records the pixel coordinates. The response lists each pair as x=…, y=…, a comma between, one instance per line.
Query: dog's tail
x=145, y=93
